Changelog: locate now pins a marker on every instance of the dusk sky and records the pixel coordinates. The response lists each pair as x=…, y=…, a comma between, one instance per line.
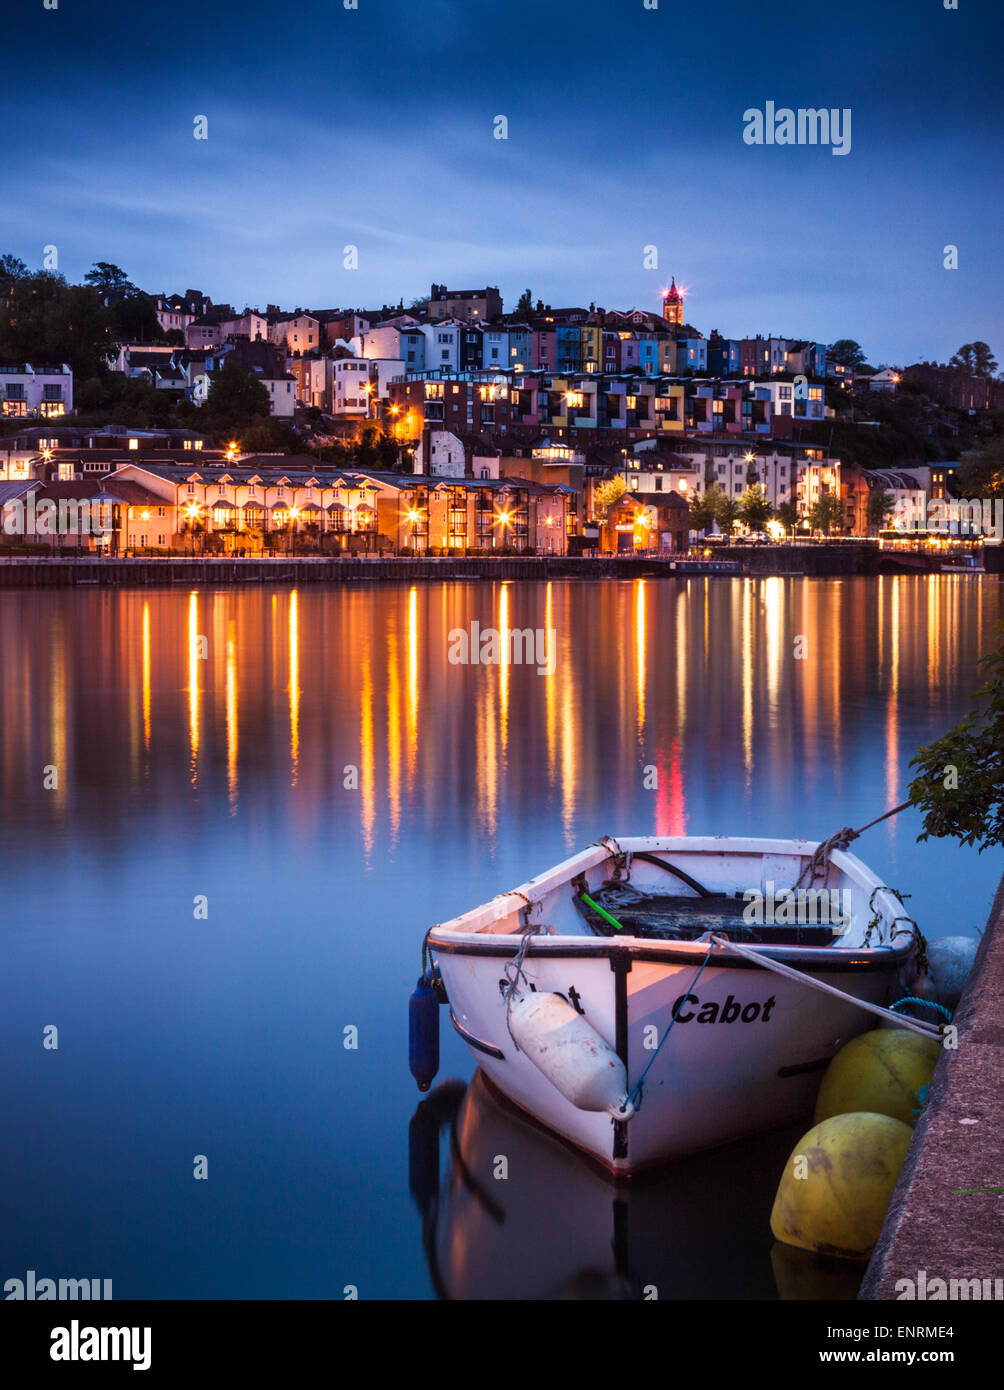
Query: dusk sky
x=374, y=127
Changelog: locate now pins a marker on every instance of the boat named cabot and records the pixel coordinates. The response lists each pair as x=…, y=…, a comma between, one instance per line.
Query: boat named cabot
x=689, y=1007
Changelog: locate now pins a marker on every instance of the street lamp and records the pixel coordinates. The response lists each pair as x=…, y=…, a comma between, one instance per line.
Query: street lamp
x=192, y=512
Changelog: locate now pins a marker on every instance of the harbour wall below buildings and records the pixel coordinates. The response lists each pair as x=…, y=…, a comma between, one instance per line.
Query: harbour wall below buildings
x=839, y=559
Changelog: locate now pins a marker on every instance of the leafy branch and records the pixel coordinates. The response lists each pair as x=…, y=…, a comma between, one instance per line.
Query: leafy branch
x=960, y=786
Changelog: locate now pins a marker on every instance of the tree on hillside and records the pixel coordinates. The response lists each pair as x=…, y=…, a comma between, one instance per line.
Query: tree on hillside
x=134, y=320
x=105, y=278
x=976, y=358
x=848, y=353
x=12, y=267
x=754, y=508
x=981, y=471
x=524, y=307
x=43, y=319
x=236, y=398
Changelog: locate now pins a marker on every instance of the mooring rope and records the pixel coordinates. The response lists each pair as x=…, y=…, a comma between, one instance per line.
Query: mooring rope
x=516, y=966
x=819, y=864
x=929, y=1030
x=931, y=1004
x=634, y=1096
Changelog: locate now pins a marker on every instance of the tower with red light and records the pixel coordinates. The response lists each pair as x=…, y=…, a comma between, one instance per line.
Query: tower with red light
x=672, y=305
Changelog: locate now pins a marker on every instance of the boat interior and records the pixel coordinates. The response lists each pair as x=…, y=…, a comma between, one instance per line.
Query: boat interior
x=754, y=891
x=646, y=912
x=671, y=917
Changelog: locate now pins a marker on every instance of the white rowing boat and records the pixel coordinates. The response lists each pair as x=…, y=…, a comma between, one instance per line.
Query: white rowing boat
x=651, y=997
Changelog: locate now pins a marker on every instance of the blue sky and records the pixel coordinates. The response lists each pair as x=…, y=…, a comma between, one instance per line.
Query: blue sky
x=373, y=127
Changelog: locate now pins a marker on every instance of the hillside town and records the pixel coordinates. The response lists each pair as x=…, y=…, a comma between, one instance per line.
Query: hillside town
x=455, y=427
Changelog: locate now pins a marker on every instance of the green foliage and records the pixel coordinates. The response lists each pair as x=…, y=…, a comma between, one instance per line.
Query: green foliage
x=702, y=509
x=605, y=494
x=727, y=513
x=45, y=319
x=960, y=784
x=975, y=357
x=12, y=267
x=714, y=505
x=754, y=508
x=236, y=399
x=106, y=277
x=787, y=515
x=826, y=513
x=880, y=506
x=134, y=320
x=981, y=471
x=847, y=352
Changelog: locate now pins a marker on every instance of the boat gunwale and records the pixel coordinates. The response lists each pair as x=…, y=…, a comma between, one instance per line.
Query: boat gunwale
x=846, y=959
x=451, y=939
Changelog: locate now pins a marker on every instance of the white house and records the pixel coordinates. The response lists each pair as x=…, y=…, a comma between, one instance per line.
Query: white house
x=447, y=454
x=495, y=348
x=442, y=345
x=350, y=383
x=35, y=390
x=282, y=395
x=803, y=402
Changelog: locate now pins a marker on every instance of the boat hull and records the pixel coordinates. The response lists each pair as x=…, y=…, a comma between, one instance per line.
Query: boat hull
x=745, y=1054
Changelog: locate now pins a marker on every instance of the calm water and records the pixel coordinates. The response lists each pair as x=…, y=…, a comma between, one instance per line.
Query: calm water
x=223, y=776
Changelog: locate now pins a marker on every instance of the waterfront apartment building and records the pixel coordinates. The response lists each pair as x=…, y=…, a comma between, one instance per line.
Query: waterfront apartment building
x=793, y=474
x=259, y=504
x=464, y=515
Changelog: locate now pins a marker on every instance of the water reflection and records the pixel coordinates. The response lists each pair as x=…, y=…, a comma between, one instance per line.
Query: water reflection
x=510, y=1212
x=774, y=689
x=312, y=761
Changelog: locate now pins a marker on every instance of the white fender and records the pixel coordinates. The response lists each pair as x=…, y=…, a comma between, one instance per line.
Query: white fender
x=570, y=1053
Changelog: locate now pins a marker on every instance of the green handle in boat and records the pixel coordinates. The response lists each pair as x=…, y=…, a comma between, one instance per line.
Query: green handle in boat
x=601, y=910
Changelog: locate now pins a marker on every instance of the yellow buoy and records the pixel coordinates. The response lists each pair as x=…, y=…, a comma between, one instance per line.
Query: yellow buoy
x=836, y=1185
x=881, y=1072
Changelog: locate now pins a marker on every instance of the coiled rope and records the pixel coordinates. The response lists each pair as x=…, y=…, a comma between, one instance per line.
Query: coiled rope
x=819, y=864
